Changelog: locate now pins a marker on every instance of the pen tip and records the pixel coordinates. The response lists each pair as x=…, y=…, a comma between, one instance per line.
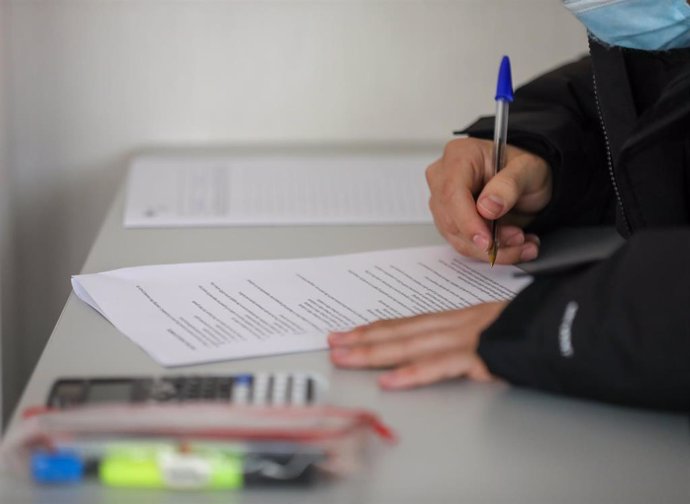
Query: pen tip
x=492, y=255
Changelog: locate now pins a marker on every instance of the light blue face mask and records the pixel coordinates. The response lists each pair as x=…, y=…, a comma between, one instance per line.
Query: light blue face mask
x=639, y=24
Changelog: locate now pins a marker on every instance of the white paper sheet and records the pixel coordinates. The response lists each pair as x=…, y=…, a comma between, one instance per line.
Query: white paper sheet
x=200, y=312
x=187, y=191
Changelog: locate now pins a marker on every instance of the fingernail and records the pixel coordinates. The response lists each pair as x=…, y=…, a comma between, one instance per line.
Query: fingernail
x=529, y=252
x=532, y=238
x=492, y=205
x=482, y=242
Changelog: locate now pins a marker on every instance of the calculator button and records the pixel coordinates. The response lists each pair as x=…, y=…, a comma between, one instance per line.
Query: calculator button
x=311, y=391
x=224, y=388
x=192, y=389
x=279, y=391
x=208, y=388
x=261, y=389
x=298, y=391
x=241, y=389
x=162, y=390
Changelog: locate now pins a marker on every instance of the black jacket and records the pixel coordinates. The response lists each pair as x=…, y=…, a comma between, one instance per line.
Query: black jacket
x=615, y=128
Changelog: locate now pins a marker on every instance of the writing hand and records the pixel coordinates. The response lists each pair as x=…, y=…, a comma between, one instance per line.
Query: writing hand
x=423, y=349
x=464, y=194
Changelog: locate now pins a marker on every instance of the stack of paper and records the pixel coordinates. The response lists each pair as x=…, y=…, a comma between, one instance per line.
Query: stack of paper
x=188, y=191
x=193, y=313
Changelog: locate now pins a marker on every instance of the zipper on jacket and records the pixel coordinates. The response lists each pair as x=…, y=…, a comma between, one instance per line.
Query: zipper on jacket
x=609, y=156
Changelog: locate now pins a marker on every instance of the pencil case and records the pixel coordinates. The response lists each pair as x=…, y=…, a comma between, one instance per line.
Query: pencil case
x=192, y=445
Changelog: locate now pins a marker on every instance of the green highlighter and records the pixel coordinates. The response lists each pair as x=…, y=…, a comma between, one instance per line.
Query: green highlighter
x=213, y=466
x=163, y=466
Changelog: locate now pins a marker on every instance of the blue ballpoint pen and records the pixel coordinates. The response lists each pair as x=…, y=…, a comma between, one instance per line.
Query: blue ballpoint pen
x=504, y=96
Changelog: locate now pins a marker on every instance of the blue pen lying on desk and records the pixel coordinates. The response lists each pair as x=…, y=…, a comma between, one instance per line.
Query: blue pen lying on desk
x=504, y=96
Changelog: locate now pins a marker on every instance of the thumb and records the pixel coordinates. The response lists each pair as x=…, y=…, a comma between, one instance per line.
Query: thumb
x=503, y=191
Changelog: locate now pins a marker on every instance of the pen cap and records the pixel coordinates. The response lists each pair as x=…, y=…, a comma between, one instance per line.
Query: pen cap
x=504, y=86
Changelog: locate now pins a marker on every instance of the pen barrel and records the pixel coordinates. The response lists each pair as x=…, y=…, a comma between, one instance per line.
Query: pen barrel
x=500, y=135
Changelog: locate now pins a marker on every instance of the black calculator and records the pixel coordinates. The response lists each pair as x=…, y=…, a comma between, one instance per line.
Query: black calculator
x=259, y=389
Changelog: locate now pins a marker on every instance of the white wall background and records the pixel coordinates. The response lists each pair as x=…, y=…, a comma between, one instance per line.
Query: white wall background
x=92, y=80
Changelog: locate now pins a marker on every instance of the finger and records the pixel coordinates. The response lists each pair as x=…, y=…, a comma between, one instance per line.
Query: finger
x=512, y=244
x=455, y=214
x=462, y=210
x=521, y=175
x=513, y=255
x=502, y=192
x=529, y=252
x=532, y=238
x=451, y=233
x=452, y=182
x=398, y=351
x=510, y=236
x=386, y=330
x=467, y=248
x=438, y=367
x=461, y=330
x=442, y=220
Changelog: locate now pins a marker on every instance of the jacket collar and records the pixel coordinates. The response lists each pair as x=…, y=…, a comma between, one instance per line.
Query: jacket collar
x=613, y=94
x=668, y=118
x=631, y=135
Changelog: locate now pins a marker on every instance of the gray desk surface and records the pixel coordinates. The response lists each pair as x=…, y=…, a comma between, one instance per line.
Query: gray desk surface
x=460, y=442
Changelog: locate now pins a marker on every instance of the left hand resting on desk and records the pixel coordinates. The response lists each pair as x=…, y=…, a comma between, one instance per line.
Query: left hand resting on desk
x=423, y=349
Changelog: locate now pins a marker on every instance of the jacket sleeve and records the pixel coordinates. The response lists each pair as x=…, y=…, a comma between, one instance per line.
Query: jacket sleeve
x=618, y=331
x=555, y=116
